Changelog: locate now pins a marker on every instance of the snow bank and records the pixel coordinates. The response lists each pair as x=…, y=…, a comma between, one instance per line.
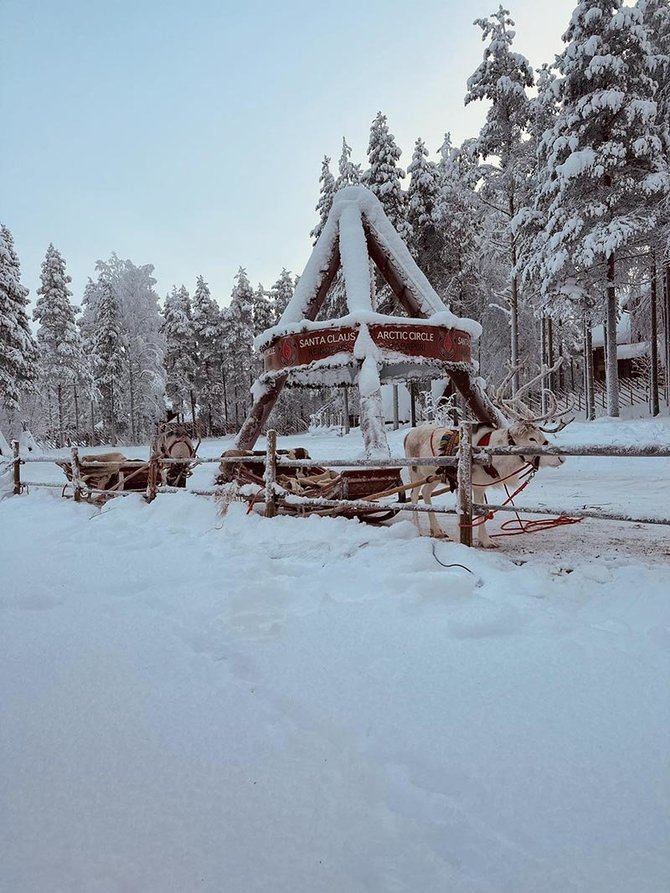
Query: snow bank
x=315, y=704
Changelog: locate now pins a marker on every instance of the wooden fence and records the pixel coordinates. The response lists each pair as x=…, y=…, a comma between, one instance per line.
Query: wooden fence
x=275, y=496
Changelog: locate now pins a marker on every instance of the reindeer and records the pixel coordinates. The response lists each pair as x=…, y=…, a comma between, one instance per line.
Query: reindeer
x=174, y=443
x=524, y=429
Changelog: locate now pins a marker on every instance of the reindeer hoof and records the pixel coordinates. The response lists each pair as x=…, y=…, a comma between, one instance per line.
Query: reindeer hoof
x=441, y=535
x=488, y=544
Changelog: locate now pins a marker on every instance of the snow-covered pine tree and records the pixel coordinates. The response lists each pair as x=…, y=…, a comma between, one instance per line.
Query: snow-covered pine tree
x=180, y=349
x=349, y=173
x=140, y=398
x=61, y=362
x=280, y=294
x=240, y=337
x=18, y=353
x=384, y=174
x=502, y=79
x=424, y=240
x=458, y=216
x=263, y=310
x=208, y=379
x=604, y=179
x=326, y=193
x=108, y=349
x=656, y=18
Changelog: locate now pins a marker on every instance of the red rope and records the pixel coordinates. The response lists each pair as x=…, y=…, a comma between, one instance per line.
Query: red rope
x=482, y=519
x=524, y=525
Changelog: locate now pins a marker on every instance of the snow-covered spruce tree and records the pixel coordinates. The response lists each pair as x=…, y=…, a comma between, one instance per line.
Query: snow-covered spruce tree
x=18, y=353
x=239, y=345
x=656, y=18
x=502, y=79
x=180, y=349
x=61, y=361
x=424, y=239
x=349, y=172
x=326, y=193
x=140, y=400
x=208, y=380
x=604, y=179
x=458, y=216
x=263, y=310
x=383, y=176
x=108, y=349
x=280, y=294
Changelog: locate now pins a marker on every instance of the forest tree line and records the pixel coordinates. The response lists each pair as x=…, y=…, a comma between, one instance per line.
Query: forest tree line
x=554, y=219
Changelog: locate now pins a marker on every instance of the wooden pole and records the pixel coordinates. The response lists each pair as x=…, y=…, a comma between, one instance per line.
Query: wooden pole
x=543, y=362
x=17, y=468
x=396, y=423
x=345, y=401
x=195, y=429
x=653, y=341
x=464, y=478
x=76, y=473
x=412, y=404
x=271, y=474
x=76, y=410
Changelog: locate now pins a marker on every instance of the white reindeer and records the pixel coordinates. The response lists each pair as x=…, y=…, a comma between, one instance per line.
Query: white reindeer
x=525, y=429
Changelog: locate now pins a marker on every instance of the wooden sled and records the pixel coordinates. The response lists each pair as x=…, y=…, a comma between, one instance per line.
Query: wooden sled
x=318, y=482
x=98, y=481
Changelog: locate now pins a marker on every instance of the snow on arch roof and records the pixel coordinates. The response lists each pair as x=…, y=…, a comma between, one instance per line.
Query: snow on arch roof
x=356, y=230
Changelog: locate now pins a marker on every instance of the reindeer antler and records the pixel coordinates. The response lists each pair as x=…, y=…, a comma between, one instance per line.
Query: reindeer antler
x=519, y=411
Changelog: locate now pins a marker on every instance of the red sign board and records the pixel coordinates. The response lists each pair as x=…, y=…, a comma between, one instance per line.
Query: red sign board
x=430, y=342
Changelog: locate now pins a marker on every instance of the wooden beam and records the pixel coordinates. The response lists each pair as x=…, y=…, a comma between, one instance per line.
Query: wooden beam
x=258, y=414
x=475, y=398
x=384, y=262
x=327, y=278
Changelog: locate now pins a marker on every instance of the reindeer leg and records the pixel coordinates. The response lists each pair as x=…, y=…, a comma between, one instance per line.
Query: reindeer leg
x=483, y=539
x=414, y=496
x=435, y=528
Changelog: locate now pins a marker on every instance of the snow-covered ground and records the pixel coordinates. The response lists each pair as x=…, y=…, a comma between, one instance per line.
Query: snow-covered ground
x=232, y=704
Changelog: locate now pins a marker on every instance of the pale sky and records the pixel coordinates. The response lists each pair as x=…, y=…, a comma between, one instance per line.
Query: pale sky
x=190, y=135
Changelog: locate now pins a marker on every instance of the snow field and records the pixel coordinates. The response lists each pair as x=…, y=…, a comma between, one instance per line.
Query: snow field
x=241, y=704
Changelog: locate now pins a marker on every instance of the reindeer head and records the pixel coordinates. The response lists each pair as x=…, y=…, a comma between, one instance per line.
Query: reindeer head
x=527, y=428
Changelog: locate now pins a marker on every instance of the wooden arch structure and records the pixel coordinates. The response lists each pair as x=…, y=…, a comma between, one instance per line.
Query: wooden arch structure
x=364, y=348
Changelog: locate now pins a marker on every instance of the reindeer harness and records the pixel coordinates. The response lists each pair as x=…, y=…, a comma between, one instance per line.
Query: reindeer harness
x=448, y=446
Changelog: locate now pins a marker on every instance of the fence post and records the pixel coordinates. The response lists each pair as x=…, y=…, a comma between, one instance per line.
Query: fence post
x=464, y=473
x=17, y=468
x=76, y=474
x=271, y=474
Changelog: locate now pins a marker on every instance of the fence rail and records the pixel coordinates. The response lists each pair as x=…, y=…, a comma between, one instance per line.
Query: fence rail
x=276, y=496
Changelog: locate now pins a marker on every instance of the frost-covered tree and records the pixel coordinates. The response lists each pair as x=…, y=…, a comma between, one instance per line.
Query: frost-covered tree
x=349, y=172
x=383, y=176
x=239, y=345
x=326, y=193
x=604, y=177
x=423, y=193
x=109, y=352
x=502, y=79
x=208, y=380
x=459, y=215
x=140, y=398
x=18, y=354
x=180, y=349
x=263, y=310
x=61, y=361
x=281, y=293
